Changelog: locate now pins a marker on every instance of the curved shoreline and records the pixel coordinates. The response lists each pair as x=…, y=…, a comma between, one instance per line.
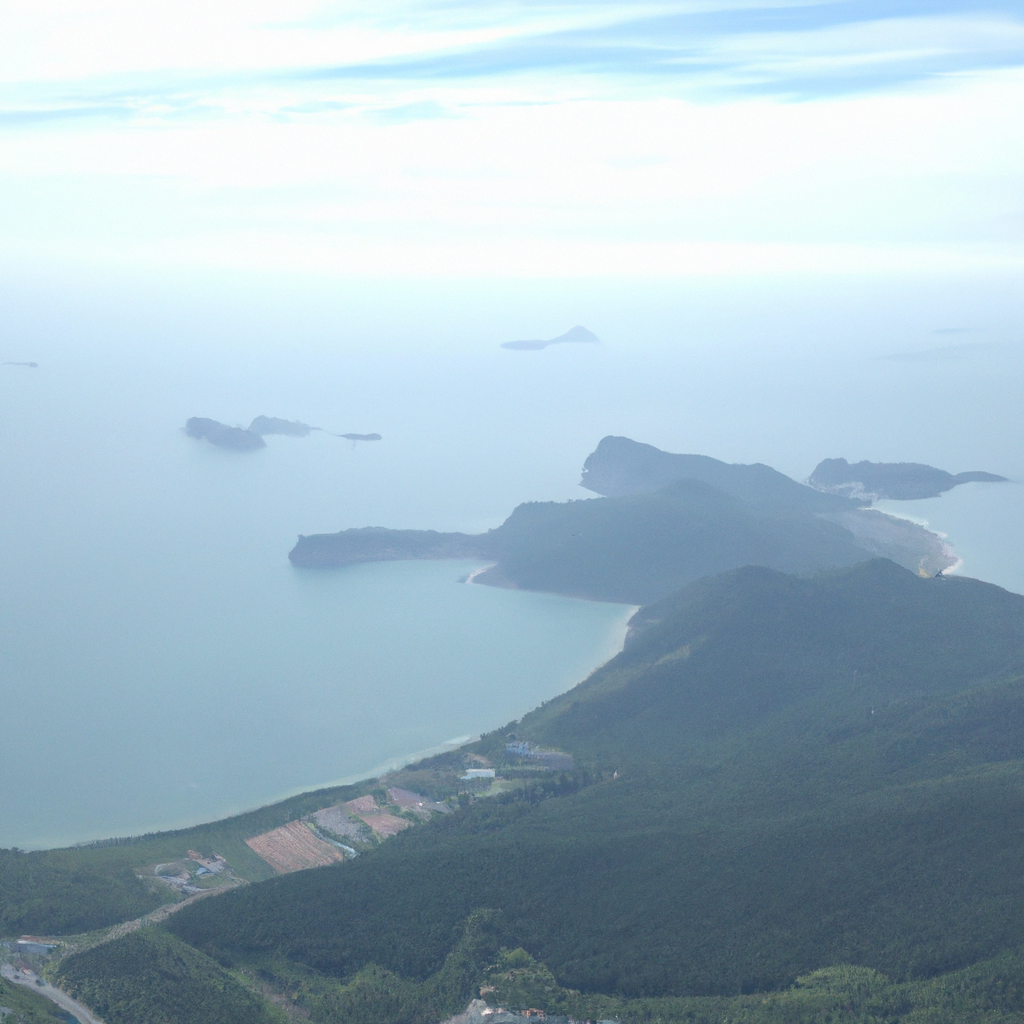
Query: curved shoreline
x=476, y=572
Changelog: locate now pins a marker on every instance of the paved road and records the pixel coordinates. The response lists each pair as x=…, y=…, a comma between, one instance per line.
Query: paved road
x=62, y=999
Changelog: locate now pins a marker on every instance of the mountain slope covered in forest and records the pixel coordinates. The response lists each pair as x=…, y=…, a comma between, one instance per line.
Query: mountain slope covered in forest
x=778, y=776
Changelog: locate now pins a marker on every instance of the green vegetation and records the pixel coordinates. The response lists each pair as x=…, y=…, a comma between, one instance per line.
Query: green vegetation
x=990, y=991
x=28, y=1007
x=811, y=773
x=148, y=977
x=669, y=520
x=62, y=892
x=793, y=800
x=734, y=650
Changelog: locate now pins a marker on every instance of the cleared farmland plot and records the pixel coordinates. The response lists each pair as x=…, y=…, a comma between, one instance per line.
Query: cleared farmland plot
x=293, y=847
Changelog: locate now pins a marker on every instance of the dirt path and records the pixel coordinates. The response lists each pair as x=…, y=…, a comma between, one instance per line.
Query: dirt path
x=51, y=992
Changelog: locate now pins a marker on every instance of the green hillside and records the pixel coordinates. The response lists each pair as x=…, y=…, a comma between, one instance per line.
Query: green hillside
x=619, y=466
x=149, y=977
x=810, y=773
x=733, y=650
x=639, y=548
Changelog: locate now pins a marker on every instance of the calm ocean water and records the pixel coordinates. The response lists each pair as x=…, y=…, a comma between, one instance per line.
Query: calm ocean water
x=162, y=663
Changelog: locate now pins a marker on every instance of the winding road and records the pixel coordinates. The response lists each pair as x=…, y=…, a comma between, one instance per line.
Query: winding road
x=54, y=994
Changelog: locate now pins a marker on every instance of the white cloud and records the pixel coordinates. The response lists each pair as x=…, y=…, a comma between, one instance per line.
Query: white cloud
x=532, y=173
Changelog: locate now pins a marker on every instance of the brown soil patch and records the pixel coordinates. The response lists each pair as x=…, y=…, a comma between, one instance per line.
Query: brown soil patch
x=293, y=847
x=361, y=805
x=386, y=825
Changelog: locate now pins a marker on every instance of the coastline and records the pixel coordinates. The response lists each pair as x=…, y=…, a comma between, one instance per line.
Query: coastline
x=980, y=522
x=476, y=572
x=956, y=562
x=615, y=639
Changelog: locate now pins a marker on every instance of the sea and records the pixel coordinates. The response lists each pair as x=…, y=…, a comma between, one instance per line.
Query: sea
x=161, y=661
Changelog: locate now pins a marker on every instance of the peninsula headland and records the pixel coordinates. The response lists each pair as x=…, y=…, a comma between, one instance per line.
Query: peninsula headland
x=663, y=521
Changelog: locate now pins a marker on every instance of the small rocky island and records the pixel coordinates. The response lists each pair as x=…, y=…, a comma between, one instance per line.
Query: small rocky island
x=233, y=438
x=577, y=334
x=903, y=481
x=274, y=425
x=240, y=439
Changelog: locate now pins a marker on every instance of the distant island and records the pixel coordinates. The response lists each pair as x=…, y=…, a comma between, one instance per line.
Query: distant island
x=233, y=438
x=273, y=425
x=11, y=362
x=577, y=334
x=903, y=481
x=240, y=439
x=664, y=520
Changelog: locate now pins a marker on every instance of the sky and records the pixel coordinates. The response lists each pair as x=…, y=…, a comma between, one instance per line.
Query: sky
x=530, y=139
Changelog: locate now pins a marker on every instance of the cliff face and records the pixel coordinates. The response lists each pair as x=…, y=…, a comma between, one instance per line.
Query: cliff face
x=905, y=481
x=223, y=436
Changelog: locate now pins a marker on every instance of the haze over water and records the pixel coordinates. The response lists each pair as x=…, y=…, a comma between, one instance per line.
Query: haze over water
x=164, y=663
x=795, y=228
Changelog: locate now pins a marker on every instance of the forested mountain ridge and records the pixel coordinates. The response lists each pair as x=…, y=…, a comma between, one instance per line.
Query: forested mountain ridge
x=856, y=638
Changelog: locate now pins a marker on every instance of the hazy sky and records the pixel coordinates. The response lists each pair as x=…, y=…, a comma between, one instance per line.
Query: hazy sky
x=513, y=138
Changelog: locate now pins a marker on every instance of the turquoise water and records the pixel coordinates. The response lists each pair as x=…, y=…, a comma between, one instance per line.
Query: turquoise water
x=161, y=662
x=982, y=523
x=164, y=664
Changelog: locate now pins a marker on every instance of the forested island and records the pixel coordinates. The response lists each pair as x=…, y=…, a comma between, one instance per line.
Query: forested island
x=249, y=439
x=220, y=434
x=904, y=481
x=663, y=521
